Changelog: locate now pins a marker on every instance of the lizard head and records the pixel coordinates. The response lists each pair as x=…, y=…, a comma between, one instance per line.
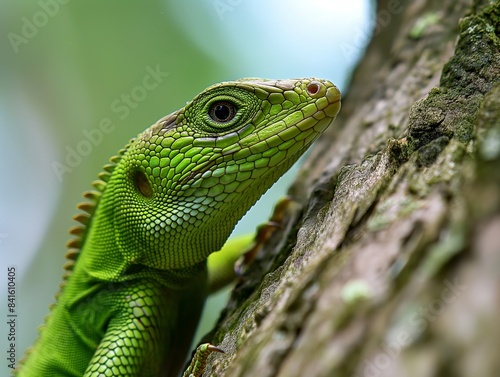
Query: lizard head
x=183, y=184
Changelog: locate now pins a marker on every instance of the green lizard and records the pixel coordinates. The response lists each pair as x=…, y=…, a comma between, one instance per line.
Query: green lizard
x=137, y=274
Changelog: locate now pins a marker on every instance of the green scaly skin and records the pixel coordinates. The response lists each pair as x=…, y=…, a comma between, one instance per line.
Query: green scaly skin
x=137, y=271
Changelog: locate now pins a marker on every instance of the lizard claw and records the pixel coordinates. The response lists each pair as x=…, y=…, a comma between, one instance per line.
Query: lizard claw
x=213, y=348
x=199, y=361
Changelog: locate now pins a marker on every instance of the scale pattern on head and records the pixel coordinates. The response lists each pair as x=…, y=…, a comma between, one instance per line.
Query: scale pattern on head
x=181, y=186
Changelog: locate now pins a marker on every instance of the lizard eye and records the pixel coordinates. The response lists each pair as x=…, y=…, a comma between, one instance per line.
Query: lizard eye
x=222, y=111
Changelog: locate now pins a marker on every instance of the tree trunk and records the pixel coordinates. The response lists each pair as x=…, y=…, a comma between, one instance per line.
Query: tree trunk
x=392, y=265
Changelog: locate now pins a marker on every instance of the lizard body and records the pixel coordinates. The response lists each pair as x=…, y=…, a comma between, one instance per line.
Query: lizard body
x=137, y=274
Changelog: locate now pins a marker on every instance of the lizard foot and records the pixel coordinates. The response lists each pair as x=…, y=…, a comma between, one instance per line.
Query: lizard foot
x=199, y=361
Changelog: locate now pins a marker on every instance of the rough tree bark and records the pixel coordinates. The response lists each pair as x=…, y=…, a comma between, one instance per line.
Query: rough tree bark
x=392, y=266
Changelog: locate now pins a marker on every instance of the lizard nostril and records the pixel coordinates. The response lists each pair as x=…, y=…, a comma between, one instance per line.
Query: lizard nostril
x=313, y=87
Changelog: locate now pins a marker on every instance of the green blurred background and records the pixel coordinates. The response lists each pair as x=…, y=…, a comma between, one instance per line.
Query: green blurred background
x=68, y=66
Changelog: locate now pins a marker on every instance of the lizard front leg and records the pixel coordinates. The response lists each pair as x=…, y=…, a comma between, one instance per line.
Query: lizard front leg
x=239, y=252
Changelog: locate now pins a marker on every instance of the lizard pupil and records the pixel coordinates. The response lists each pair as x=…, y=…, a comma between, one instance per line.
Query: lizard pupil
x=222, y=112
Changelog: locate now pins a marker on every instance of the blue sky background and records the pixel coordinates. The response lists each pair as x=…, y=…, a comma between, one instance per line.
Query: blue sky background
x=65, y=67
